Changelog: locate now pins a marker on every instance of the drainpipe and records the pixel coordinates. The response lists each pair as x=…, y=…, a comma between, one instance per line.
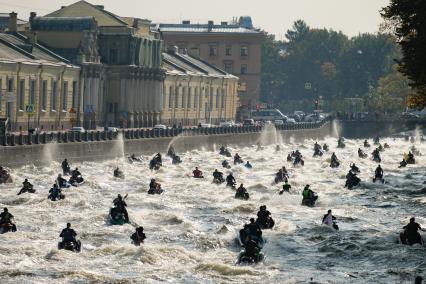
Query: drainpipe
x=40, y=93
x=18, y=71
x=61, y=95
x=188, y=100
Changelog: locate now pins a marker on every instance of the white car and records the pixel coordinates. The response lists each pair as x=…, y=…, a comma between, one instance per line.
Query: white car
x=279, y=122
x=160, y=127
x=77, y=129
x=112, y=129
x=290, y=121
x=205, y=125
x=227, y=124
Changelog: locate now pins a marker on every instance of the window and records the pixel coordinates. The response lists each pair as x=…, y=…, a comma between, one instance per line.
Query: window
x=244, y=69
x=10, y=85
x=1, y=92
x=110, y=107
x=200, y=99
x=113, y=56
x=217, y=98
x=223, y=100
x=213, y=50
x=21, y=94
x=32, y=92
x=228, y=67
x=170, y=97
x=188, y=105
x=74, y=95
x=195, y=97
x=183, y=97
x=244, y=50
x=44, y=95
x=65, y=96
x=177, y=97
x=195, y=51
x=211, y=97
x=228, y=50
x=54, y=93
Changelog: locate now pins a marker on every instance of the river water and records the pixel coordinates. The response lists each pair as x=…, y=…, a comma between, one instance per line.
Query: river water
x=191, y=228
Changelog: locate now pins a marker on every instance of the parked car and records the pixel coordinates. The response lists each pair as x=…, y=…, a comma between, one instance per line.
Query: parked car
x=77, y=129
x=248, y=122
x=300, y=113
x=279, y=122
x=160, y=127
x=111, y=129
x=409, y=115
x=227, y=124
x=290, y=120
x=314, y=117
x=205, y=125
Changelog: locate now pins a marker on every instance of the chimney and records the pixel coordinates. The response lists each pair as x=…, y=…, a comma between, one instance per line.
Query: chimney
x=32, y=16
x=210, y=25
x=173, y=49
x=13, y=22
x=186, y=22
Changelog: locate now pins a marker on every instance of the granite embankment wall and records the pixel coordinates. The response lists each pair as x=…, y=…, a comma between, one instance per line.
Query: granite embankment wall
x=40, y=154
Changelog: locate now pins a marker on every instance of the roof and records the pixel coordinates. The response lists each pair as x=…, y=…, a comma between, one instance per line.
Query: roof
x=16, y=47
x=204, y=28
x=85, y=9
x=184, y=64
x=63, y=23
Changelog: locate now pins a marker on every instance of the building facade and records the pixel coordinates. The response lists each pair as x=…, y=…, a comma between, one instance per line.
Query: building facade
x=120, y=60
x=38, y=88
x=196, y=92
x=233, y=47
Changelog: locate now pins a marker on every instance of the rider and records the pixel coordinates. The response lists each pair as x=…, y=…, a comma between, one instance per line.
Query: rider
x=328, y=219
x=230, y=180
x=411, y=230
x=55, y=192
x=354, y=168
x=5, y=217
x=117, y=172
x=307, y=193
x=317, y=147
x=248, y=165
x=286, y=187
x=65, y=167
x=225, y=164
x=26, y=186
x=241, y=190
x=378, y=172
x=120, y=204
x=366, y=144
x=75, y=173
x=138, y=236
x=217, y=175
x=263, y=215
x=61, y=181
x=68, y=235
x=360, y=153
x=254, y=229
x=197, y=173
x=289, y=158
x=237, y=159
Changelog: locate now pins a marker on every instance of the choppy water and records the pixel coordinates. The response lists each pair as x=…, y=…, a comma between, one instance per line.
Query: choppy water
x=191, y=228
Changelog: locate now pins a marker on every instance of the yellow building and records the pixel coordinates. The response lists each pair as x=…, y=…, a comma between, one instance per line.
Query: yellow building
x=195, y=91
x=38, y=88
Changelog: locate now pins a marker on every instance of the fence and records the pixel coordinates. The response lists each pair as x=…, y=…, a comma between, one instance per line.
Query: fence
x=76, y=137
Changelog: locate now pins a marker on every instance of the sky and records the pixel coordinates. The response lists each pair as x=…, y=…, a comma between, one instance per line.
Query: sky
x=274, y=16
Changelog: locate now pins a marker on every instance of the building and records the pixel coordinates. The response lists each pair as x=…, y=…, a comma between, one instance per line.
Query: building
x=195, y=91
x=233, y=47
x=4, y=22
x=38, y=88
x=120, y=60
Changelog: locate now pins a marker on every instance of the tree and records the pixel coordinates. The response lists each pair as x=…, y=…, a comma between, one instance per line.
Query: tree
x=407, y=18
x=299, y=31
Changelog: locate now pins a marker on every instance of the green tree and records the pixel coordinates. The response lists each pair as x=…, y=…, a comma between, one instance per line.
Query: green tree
x=407, y=18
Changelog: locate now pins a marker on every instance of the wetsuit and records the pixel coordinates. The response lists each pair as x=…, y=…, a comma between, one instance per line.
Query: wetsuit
x=412, y=232
x=5, y=217
x=120, y=204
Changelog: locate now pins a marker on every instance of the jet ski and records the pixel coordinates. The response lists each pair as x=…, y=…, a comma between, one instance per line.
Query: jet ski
x=7, y=227
x=70, y=246
x=116, y=217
